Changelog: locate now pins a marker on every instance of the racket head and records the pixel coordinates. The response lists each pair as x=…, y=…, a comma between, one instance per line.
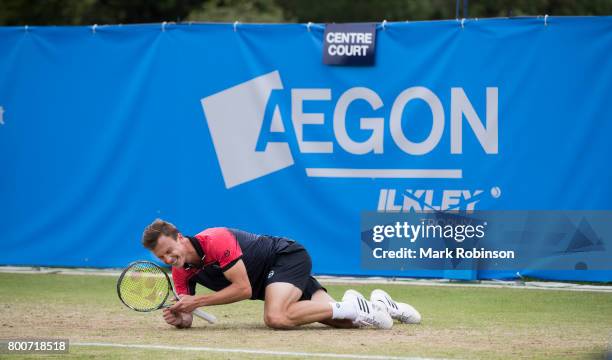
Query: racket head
x=144, y=286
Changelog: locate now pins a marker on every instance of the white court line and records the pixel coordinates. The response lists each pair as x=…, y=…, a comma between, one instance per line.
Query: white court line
x=325, y=279
x=248, y=351
x=385, y=173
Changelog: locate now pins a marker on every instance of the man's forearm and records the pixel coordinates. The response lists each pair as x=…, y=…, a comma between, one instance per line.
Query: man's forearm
x=230, y=294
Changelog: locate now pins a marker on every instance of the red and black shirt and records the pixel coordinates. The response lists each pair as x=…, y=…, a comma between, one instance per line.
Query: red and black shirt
x=222, y=248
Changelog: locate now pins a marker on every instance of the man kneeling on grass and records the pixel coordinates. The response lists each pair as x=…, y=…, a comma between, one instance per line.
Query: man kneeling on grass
x=238, y=265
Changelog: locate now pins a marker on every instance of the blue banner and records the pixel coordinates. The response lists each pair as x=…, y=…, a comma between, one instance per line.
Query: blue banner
x=103, y=129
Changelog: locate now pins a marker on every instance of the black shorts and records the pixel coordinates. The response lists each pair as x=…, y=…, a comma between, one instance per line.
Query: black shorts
x=293, y=265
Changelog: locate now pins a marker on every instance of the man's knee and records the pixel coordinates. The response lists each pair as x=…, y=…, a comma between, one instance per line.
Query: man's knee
x=275, y=321
x=278, y=320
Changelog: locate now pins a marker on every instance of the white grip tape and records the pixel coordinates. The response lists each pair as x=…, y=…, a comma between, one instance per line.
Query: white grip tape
x=206, y=316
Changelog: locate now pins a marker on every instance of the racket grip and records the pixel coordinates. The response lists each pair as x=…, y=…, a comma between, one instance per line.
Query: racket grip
x=206, y=316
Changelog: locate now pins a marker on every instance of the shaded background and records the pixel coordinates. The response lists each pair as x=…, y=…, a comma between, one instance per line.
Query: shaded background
x=86, y=12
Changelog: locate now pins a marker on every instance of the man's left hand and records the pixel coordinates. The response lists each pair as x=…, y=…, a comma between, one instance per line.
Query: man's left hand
x=187, y=303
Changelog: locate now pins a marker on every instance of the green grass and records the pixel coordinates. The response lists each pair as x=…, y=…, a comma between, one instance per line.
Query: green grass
x=458, y=322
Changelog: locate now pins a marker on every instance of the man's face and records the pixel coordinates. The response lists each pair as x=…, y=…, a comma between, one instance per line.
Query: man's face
x=170, y=251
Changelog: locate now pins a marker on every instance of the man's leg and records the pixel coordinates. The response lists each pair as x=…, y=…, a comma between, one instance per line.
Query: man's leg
x=283, y=310
x=323, y=297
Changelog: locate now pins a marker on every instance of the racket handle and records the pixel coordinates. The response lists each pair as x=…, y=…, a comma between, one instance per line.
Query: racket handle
x=206, y=316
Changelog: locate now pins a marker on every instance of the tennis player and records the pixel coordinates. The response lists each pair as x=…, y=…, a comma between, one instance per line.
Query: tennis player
x=238, y=265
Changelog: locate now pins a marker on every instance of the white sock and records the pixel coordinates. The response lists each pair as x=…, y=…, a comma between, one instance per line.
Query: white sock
x=343, y=310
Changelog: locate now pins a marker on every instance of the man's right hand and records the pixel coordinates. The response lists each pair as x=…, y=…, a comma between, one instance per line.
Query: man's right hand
x=173, y=318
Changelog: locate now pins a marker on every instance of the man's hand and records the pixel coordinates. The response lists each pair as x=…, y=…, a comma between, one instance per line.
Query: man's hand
x=186, y=304
x=180, y=320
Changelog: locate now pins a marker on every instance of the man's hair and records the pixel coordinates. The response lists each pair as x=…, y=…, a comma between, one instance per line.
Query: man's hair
x=158, y=228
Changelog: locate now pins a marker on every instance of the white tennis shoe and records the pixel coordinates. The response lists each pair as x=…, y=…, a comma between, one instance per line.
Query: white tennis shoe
x=399, y=311
x=368, y=314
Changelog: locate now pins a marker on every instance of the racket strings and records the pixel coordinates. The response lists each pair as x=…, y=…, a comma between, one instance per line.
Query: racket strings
x=144, y=287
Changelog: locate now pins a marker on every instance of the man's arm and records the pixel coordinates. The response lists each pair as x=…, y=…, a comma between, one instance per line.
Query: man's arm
x=183, y=285
x=239, y=289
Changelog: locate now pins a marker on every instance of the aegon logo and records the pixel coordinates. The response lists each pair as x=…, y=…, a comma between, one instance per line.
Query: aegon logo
x=248, y=128
x=391, y=200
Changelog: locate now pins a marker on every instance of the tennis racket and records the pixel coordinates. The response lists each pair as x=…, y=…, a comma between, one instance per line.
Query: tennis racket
x=144, y=286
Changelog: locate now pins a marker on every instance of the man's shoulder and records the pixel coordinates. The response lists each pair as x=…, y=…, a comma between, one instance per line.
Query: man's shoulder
x=214, y=238
x=213, y=232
